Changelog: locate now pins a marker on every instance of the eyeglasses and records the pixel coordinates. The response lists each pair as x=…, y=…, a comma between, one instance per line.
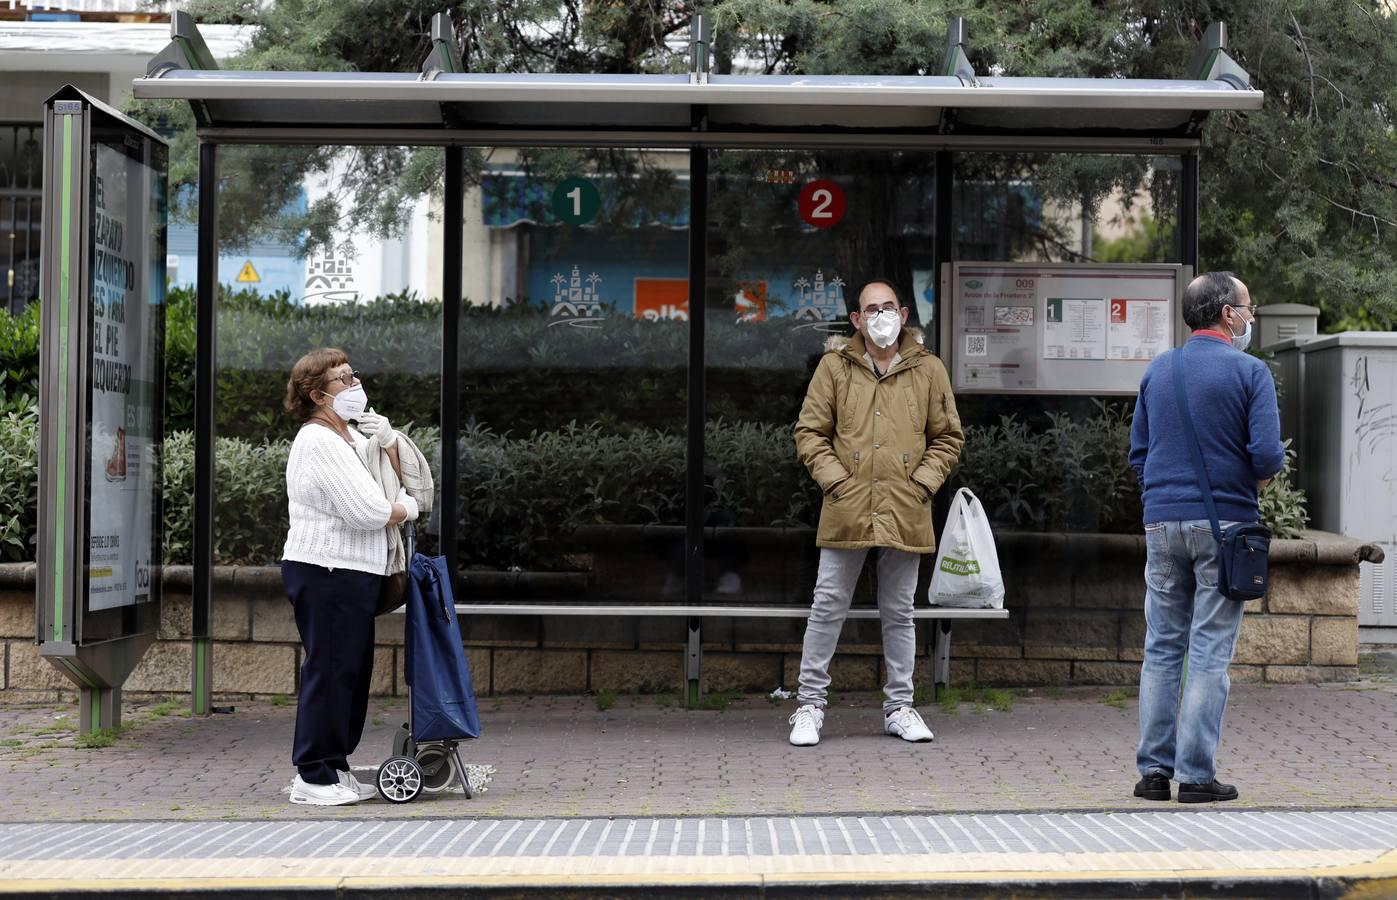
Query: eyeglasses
x=1249, y=307
x=348, y=379
x=875, y=310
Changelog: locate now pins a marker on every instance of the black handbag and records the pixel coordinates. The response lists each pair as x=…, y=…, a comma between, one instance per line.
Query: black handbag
x=1244, y=549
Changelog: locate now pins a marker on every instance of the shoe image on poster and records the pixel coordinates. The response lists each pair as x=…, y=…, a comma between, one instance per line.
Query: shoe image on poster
x=116, y=463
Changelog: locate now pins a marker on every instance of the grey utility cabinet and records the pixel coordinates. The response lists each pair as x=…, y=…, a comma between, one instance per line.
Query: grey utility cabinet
x=1348, y=451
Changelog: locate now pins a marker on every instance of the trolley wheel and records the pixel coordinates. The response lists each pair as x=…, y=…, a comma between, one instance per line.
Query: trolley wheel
x=399, y=780
x=438, y=765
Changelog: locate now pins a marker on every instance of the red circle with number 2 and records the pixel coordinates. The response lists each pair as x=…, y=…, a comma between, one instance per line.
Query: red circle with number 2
x=821, y=203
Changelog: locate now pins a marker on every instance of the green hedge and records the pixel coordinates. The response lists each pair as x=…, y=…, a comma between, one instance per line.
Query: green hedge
x=565, y=427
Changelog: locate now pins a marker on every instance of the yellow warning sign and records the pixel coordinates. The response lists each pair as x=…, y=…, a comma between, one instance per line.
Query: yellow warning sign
x=248, y=274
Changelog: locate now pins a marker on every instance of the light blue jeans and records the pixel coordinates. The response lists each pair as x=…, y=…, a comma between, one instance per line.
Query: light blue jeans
x=834, y=590
x=1184, y=614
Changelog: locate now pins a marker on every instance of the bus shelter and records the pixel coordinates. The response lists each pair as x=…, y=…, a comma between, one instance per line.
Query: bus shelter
x=863, y=175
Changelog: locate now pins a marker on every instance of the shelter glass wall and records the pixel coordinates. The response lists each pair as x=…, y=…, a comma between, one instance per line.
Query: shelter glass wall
x=1057, y=463
x=792, y=236
x=574, y=343
x=372, y=294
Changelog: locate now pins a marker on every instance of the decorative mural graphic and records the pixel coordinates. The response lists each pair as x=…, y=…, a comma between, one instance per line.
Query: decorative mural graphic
x=330, y=278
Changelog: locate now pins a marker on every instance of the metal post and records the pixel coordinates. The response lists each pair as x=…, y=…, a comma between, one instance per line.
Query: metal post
x=940, y=656
x=944, y=239
x=1188, y=211
x=694, y=499
x=693, y=661
x=452, y=235
x=205, y=317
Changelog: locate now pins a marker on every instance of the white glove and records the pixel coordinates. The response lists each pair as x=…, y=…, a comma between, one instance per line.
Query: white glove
x=371, y=423
x=408, y=504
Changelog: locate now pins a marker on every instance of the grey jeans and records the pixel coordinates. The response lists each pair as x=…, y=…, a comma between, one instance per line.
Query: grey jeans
x=834, y=589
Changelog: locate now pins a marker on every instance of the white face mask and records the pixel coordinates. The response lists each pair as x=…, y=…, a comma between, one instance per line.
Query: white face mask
x=884, y=327
x=350, y=404
x=1243, y=340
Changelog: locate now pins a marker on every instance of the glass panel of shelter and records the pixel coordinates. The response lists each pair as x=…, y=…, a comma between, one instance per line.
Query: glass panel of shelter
x=792, y=237
x=574, y=344
x=373, y=294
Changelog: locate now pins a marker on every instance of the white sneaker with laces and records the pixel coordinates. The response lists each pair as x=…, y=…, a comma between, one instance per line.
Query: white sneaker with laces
x=906, y=723
x=806, y=724
x=322, y=794
x=365, y=791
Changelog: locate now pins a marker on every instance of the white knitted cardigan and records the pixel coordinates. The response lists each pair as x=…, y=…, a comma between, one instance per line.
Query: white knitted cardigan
x=339, y=516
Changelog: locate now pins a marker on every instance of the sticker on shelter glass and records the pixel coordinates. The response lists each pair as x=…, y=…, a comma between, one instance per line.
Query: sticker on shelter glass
x=330, y=278
x=821, y=203
x=576, y=201
x=576, y=301
x=819, y=303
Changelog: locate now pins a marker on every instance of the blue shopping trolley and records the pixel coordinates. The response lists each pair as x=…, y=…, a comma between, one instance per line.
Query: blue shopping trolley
x=442, y=699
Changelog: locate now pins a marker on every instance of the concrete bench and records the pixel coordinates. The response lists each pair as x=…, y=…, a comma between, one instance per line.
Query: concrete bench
x=939, y=649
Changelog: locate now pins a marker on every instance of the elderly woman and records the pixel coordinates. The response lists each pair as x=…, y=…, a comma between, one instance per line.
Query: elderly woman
x=333, y=566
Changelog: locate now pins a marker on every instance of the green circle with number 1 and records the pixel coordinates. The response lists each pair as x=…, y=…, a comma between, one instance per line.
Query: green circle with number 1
x=576, y=201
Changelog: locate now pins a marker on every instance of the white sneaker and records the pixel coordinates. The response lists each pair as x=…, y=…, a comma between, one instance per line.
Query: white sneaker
x=365, y=791
x=806, y=723
x=907, y=724
x=322, y=794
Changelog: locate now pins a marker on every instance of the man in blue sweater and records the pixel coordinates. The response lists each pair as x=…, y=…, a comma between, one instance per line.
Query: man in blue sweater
x=1232, y=400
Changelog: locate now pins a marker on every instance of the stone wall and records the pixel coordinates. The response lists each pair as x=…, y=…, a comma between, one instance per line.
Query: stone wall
x=1076, y=617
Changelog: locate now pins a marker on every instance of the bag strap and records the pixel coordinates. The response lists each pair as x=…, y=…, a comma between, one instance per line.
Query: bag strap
x=1181, y=397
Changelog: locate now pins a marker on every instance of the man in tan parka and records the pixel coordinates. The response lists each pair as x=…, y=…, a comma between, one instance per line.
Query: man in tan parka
x=879, y=433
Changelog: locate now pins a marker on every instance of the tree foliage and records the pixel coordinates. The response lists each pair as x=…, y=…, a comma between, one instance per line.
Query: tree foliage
x=1300, y=198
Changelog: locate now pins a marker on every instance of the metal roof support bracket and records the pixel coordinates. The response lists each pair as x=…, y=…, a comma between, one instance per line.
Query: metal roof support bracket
x=445, y=57
x=700, y=58
x=955, y=63
x=186, y=49
x=1212, y=63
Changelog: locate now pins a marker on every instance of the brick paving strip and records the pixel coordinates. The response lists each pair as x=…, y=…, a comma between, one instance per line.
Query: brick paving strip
x=1286, y=747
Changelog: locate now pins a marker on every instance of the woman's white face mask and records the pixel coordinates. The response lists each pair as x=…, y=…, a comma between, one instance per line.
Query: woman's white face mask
x=350, y=403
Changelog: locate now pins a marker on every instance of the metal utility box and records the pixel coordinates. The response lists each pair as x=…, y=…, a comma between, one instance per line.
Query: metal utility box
x=1284, y=321
x=1288, y=368
x=1348, y=452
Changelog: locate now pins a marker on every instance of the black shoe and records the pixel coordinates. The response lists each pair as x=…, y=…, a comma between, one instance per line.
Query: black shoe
x=1206, y=793
x=1153, y=787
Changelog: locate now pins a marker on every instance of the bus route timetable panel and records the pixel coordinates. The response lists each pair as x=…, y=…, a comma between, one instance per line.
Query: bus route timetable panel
x=1057, y=328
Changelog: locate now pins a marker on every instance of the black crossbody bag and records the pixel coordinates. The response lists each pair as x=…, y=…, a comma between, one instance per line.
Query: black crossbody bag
x=1244, y=549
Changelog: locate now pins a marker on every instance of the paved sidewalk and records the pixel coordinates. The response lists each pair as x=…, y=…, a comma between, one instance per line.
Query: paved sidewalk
x=1287, y=747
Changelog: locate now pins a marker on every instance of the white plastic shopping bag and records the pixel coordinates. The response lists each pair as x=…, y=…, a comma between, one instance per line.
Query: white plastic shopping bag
x=967, y=565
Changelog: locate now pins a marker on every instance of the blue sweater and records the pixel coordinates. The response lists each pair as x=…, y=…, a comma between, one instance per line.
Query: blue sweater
x=1232, y=398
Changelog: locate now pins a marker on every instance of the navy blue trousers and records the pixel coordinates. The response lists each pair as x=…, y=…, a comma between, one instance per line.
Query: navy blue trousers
x=335, y=616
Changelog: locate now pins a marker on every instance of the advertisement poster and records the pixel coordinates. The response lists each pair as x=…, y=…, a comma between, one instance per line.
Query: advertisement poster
x=128, y=259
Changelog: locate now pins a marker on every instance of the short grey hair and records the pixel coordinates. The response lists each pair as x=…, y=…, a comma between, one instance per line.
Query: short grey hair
x=1205, y=297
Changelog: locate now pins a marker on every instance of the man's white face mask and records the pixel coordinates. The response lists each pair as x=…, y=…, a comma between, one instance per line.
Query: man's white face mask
x=1242, y=341
x=883, y=326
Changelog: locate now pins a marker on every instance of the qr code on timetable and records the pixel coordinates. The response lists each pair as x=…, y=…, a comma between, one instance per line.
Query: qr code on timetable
x=977, y=345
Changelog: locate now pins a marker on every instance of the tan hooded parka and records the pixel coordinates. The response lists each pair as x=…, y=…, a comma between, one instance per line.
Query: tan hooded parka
x=878, y=448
